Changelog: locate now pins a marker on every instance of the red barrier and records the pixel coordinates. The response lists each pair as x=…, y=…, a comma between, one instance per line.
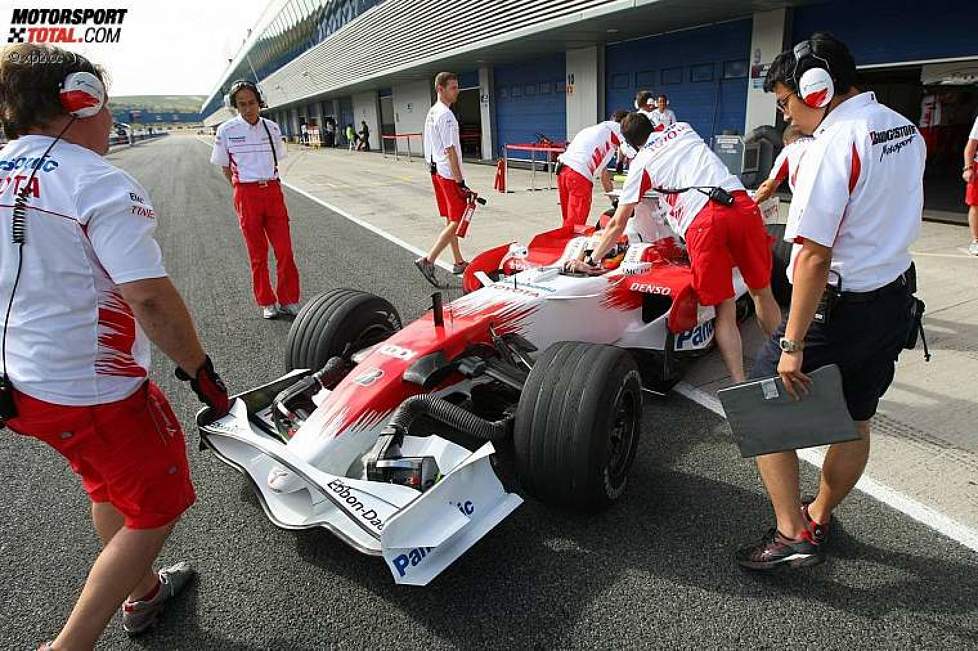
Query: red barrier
x=533, y=148
x=395, y=137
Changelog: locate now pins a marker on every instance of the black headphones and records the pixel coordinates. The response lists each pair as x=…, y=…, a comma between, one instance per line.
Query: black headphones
x=238, y=85
x=816, y=86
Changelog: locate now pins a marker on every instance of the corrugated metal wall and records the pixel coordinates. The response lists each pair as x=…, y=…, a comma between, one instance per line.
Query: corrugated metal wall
x=530, y=99
x=399, y=34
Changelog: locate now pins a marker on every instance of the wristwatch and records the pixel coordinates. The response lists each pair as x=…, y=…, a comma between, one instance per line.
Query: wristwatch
x=789, y=346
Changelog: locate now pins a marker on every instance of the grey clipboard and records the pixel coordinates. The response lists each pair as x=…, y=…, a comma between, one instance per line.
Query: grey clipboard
x=765, y=419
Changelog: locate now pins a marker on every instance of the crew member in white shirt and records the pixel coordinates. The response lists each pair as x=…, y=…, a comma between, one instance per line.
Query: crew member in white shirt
x=970, y=176
x=586, y=156
x=786, y=165
x=248, y=149
x=718, y=236
x=856, y=210
x=662, y=117
x=443, y=152
x=84, y=292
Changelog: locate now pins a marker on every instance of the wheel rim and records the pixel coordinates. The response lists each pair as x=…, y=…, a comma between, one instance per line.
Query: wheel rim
x=622, y=439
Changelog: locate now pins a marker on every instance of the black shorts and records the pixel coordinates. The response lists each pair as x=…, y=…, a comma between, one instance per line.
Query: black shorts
x=864, y=339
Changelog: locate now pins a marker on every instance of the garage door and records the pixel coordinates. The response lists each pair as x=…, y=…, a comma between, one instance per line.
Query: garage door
x=702, y=71
x=884, y=31
x=530, y=100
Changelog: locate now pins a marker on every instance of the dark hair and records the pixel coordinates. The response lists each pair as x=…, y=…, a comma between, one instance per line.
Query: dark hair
x=442, y=78
x=663, y=96
x=243, y=84
x=643, y=97
x=636, y=128
x=841, y=65
x=30, y=81
x=619, y=115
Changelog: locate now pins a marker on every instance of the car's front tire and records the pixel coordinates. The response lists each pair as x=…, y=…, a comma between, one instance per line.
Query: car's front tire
x=577, y=425
x=335, y=321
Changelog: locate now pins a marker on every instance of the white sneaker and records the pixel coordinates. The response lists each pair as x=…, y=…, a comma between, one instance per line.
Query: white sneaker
x=269, y=312
x=139, y=616
x=973, y=248
x=291, y=309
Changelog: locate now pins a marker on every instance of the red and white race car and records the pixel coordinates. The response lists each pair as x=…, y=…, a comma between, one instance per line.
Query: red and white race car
x=413, y=441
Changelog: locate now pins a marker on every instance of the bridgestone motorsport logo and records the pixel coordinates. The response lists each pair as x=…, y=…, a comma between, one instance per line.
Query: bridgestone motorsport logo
x=66, y=25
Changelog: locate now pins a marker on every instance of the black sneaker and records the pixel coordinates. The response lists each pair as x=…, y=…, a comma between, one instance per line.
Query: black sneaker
x=819, y=531
x=774, y=551
x=427, y=269
x=459, y=268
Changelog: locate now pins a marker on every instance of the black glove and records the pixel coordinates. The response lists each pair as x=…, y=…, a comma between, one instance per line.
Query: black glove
x=209, y=388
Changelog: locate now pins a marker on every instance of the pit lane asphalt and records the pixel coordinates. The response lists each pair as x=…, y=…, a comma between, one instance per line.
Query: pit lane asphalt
x=655, y=571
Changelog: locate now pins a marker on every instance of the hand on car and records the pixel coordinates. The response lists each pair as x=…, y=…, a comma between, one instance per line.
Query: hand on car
x=581, y=267
x=209, y=387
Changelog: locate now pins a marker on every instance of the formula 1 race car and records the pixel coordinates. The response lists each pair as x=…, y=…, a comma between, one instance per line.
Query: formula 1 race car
x=412, y=442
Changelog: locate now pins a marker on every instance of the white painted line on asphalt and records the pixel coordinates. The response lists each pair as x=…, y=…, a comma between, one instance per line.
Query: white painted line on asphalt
x=892, y=498
x=370, y=227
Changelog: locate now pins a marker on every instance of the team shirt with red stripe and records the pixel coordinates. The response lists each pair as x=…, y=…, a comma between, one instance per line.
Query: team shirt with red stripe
x=245, y=148
x=672, y=159
x=591, y=149
x=72, y=338
x=860, y=192
x=787, y=163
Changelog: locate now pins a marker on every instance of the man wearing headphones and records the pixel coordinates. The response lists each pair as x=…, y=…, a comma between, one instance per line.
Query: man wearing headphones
x=645, y=104
x=84, y=292
x=248, y=149
x=856, y=210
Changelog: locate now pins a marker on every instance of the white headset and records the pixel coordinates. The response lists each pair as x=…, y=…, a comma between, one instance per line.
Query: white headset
x=82, y=94
x=815, y=86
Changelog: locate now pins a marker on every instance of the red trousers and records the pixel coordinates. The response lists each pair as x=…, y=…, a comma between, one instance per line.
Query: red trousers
x=575, y=197
x=264, y=218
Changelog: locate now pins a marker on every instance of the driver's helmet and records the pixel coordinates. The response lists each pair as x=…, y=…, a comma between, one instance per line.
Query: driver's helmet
x=615, y=254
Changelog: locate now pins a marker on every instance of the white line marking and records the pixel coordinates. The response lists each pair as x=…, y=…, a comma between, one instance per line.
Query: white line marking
x=892, y=498
x=370, y=227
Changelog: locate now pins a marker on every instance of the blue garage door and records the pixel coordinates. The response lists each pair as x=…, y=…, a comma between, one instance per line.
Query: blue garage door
x=530, y=100
x=891, y=31
x=702, y=71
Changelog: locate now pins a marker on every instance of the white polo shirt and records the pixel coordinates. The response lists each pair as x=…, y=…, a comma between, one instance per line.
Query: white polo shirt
x=672, y=159
x=974, y=134
x=440, y=133
x=662, y=119
x=860, y=191
x=72, y=339
x=245, y=149
x=786, y=164
x=591, y=149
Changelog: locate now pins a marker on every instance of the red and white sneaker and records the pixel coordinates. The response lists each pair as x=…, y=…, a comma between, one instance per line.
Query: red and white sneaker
x=139, y=616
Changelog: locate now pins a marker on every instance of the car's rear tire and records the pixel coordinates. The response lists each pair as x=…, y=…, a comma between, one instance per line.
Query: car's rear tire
x=780, y=286
x=577, y=425
x=335, y=320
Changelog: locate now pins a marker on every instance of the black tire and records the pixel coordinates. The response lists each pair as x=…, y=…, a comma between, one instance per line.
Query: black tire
x=780, y=286
x=577, y=425
x=334, y=320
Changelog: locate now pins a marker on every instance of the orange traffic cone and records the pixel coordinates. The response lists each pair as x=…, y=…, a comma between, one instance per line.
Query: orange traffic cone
x=500, y=182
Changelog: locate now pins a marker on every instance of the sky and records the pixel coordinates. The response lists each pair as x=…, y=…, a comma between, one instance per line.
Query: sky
x=173, y=47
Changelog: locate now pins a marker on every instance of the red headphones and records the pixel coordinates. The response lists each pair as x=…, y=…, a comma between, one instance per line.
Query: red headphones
x=82, y=94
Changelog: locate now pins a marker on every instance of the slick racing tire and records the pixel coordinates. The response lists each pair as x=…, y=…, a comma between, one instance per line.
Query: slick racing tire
x=780, y=286
x=577, y=425
x=338, y=322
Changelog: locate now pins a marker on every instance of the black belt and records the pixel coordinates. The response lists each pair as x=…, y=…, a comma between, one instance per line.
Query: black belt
x=559, y=166
x=903, y=281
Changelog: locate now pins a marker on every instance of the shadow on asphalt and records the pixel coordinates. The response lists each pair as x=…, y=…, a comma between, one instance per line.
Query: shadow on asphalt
x=676, y=529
